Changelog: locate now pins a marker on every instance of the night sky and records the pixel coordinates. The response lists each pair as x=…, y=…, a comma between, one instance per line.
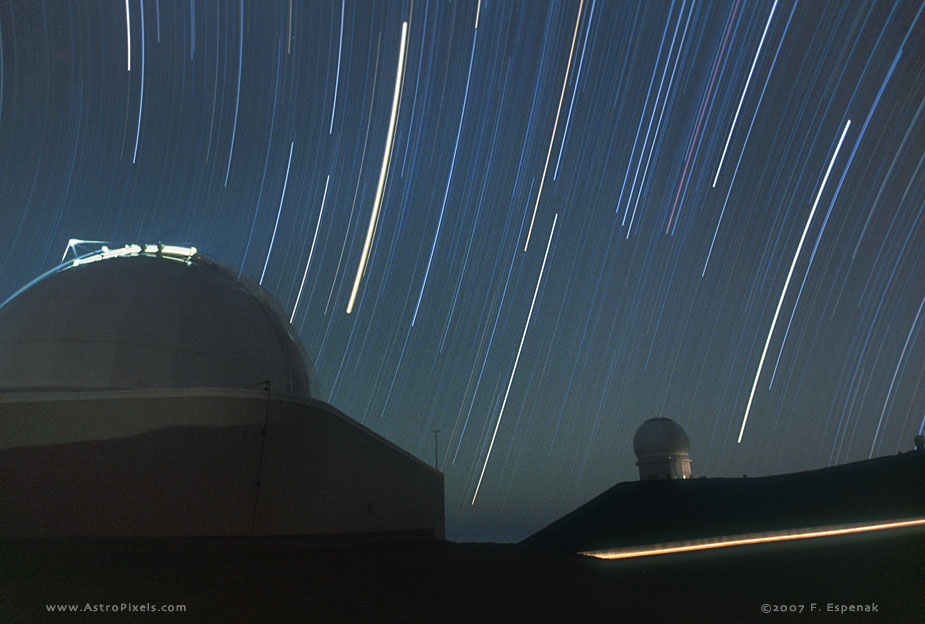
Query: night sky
x=566, y=217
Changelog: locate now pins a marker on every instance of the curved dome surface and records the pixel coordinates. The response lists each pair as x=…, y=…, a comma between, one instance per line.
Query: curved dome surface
x=146, y=321
x=660, y=437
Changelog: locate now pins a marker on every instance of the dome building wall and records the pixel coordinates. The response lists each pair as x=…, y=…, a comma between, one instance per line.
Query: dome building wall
x=186, y=463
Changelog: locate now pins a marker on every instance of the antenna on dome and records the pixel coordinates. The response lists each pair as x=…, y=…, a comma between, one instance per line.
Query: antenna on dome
x=74, y=242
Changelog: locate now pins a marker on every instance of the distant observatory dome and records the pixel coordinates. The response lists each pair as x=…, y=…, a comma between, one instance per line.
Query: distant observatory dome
x=152, y=316
x=662, y=450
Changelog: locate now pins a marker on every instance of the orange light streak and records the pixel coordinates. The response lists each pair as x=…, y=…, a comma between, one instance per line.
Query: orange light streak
x=748, y=538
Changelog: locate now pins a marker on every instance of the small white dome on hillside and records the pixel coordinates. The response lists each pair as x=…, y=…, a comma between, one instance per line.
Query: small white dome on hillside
x=662, y=450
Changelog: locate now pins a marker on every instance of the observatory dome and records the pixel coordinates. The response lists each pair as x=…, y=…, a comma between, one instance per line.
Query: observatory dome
x=145, y=318
x=662, y=450
x=660, y=436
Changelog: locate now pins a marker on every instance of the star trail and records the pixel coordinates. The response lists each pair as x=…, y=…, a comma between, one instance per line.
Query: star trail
x=731, y=195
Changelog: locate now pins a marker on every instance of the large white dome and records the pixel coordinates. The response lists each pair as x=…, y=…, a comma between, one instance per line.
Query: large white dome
x=146, y=320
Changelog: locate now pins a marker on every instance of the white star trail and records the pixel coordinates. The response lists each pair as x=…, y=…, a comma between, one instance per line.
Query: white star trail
x=282, y=198
x=237, y=99
x=340, y=46
x=552, y=137
x=581, y=62
x=128, y=36
x=783, y=293
x=311, y=250
x=141, y=97
x=386, y=154
x=744, y=91
x=523, y=336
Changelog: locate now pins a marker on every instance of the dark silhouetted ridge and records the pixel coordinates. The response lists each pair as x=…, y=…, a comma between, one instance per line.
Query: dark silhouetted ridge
x=648, y=512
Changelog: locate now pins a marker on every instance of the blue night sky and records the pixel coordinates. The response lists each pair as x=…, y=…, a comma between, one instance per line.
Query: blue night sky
x=561, y=218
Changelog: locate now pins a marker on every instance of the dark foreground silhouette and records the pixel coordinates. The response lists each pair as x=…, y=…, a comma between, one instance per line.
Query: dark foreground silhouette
x=450, y=582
